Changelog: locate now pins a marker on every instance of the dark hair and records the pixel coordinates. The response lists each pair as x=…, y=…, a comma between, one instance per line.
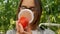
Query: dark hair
x=38, y=4
x=20, y=5
x=19, y=9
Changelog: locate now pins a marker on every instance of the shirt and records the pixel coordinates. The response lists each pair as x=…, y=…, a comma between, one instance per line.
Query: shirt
x=37, y=31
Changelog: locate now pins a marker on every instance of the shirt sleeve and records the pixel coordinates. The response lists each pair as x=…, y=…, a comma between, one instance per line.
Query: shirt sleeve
x=8, y=32
x=11, y=32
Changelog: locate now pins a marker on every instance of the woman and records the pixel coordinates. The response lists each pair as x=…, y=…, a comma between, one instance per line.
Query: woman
x=35, y=7
x=33, y=28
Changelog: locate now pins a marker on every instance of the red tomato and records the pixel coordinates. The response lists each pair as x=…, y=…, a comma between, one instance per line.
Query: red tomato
x=24, y=21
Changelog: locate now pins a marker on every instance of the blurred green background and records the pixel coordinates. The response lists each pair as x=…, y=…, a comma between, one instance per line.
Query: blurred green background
x=8, y=10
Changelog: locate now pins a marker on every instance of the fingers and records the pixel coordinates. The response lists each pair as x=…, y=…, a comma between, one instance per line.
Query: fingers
x=19, y=27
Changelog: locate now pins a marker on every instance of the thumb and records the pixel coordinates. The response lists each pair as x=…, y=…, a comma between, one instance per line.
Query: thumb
x=21, y=28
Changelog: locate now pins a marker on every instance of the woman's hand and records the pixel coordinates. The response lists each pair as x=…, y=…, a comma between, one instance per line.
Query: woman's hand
x=20, y=29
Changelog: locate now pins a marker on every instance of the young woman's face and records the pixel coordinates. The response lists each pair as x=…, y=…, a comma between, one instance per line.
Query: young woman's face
x=29, y=4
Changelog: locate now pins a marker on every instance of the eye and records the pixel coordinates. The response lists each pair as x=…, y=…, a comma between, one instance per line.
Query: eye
x=23, y=7
x=33, y=8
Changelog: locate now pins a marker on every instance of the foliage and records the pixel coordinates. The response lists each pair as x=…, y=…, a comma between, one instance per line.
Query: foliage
x=8, y=10
x=51, y=12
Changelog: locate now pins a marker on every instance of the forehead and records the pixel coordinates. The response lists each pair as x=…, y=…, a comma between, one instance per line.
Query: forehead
x=28, y=3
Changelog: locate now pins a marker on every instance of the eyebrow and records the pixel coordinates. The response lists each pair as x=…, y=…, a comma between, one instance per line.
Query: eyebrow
x=27, y=7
